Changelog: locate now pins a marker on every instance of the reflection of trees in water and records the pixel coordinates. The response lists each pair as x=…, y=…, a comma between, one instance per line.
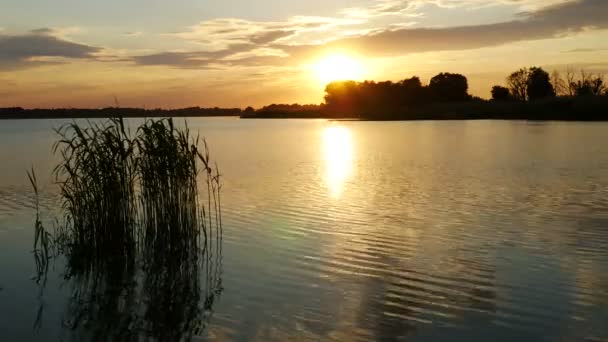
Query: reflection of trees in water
x=168, y=296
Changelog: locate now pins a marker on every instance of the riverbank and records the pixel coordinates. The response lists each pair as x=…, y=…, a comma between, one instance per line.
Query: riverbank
x=589, y=108
x=582, y=108
x=87, y=113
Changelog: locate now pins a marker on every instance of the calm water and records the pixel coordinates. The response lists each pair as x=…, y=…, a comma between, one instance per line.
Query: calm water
x=368, y=231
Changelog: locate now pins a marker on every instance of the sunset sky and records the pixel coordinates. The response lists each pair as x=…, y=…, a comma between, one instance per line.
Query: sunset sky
x=160, y=53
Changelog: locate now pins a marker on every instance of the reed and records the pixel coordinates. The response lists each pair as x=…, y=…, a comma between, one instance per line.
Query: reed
x=125, y=194
x=43, y=240
x=141, y=236
x=168, y=171
x=97, y=182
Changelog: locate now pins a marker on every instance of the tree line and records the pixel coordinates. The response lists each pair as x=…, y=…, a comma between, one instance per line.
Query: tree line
x=369, y=98
x=529, y=93
x=535, y=84
x=72, y=113
x=532, y=92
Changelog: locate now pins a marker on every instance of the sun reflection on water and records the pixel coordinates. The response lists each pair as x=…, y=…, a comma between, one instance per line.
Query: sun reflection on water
x=338, y=154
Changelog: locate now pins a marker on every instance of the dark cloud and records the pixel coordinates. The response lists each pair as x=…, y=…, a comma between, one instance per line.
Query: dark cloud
x=134, y=34
x=227, y=30
x=270, y=36
x=546, y=23
x=205, y=59
x=549, y=22
x=584, y=50
x=18, y=50
x=194, y=59
x=43, y=31
x=184, y=59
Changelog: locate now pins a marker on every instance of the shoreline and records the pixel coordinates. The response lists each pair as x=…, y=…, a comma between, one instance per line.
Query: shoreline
x=318, y=118
x=584, y=108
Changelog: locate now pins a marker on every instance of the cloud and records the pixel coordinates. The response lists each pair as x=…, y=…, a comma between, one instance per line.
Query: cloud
x=60, y=32
x=549, y=22
x=228, y=41
x=218, y=33
x=247, y=43
x=579, y=50
x=385, y=8
x=40, y=47
x=271, y=36
x=411, y=8
x=184, y=59
x=192, y=59
x=43, y=31
x=133, y=34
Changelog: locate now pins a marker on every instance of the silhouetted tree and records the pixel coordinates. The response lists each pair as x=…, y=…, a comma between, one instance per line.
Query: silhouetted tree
x=411, y=91
x=588, y=85
x=539, y=84
x=411, y=83
x=447, y=87
x=570, y=83
x=342, y=96
x=559, y=85
x=446, y=97
x=287, y=110
x=500, y=93
x=598, y=87
x=518, y=84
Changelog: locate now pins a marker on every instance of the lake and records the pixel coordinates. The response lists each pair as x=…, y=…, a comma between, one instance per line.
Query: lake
x=365, y=231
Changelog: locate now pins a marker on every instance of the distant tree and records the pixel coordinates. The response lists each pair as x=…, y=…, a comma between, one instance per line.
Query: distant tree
x=589, y=85
x=411, y=83
x=249, y=110
x=582, y=88
x=342, y=97
x=379, y=100
x=570, y=83
x=411, y=91
x=539, y=84
x=598, y=86
x=559, y=85
x=500, y=93
x=447, y=87
x=518, y=84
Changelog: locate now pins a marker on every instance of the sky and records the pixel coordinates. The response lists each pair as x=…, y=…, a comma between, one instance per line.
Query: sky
x=236, y=53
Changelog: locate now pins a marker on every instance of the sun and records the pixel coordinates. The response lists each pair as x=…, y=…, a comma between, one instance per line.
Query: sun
x=338, y=68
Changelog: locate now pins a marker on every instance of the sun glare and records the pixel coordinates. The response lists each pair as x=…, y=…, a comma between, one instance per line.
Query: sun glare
x=338, y=68
x=338, y=151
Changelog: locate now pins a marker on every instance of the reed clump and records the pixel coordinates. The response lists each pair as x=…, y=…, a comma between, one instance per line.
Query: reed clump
x=141, y=232
x=168, y=172
x=97, y=181
x=124, y=194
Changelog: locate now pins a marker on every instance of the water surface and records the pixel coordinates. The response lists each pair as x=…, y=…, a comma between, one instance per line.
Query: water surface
x=463, y=230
